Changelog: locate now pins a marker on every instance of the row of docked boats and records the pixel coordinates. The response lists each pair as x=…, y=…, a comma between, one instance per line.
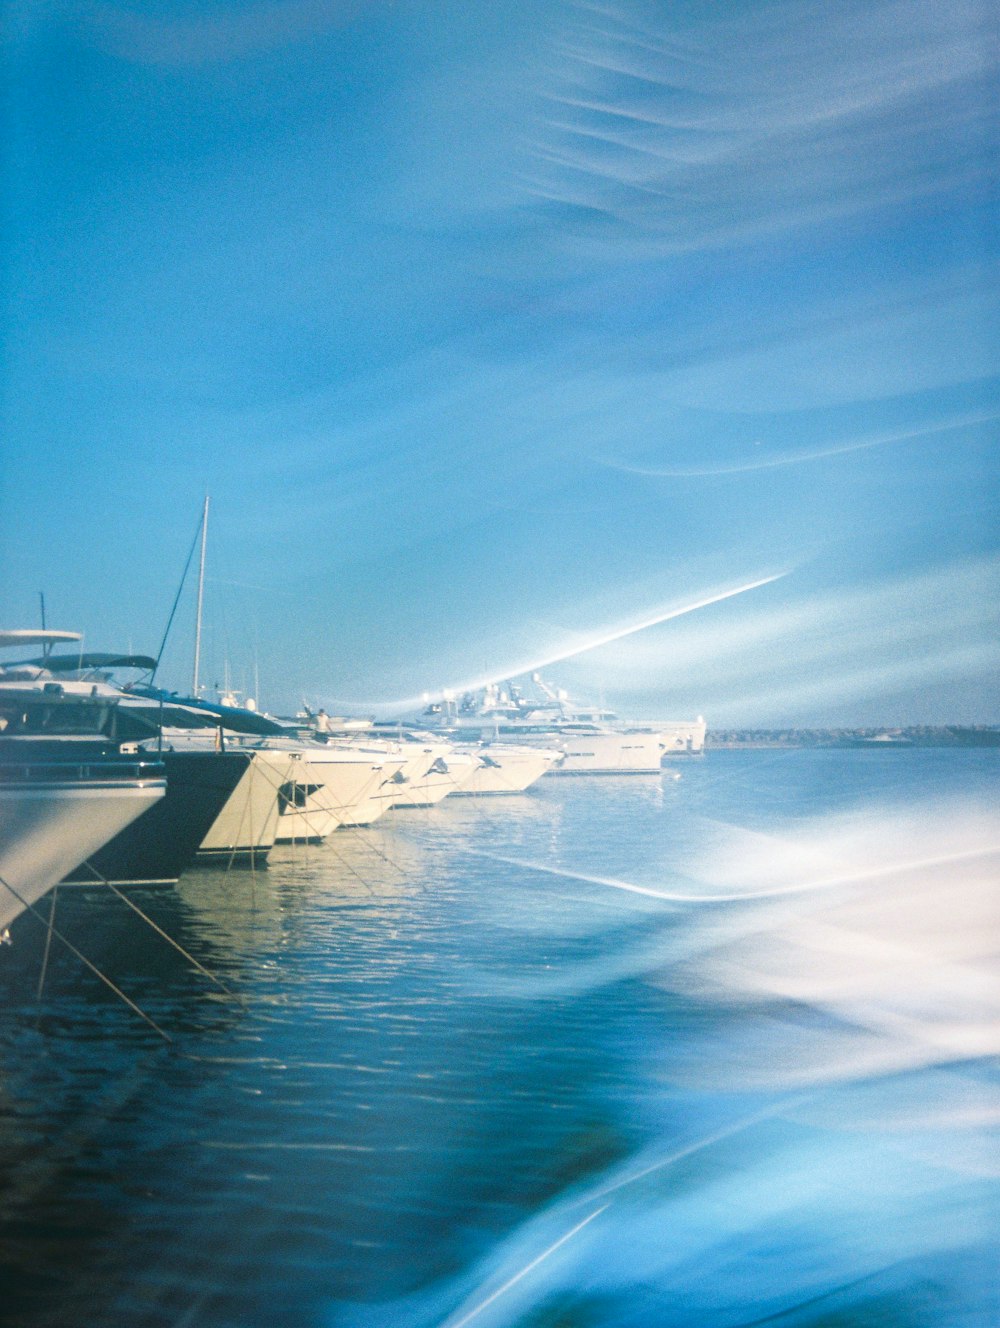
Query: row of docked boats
x=122, y=782
x=129, y=784
x=591, y=740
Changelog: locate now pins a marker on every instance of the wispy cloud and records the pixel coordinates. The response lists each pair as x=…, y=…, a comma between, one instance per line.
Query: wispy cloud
x=736, y=124
x=927, y=430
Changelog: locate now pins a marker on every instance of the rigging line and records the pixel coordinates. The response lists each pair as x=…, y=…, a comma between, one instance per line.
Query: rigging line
x=246, y=819
x=353, y=870
x=48, y=943
x=311, y=818
x=30, y=908
x=328, y=844
x=360, y=833
x=103, y=880
x=254, y=848
x=337, y=808
x=166, y=633
x=276, y=779
x=326, y=841
x=366, y=840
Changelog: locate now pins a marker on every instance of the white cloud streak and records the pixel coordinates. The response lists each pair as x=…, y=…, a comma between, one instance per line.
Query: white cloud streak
x=739, y=124
x=928, y=430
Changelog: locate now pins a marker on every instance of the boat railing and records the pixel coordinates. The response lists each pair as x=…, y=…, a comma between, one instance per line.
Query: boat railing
x=91, y=771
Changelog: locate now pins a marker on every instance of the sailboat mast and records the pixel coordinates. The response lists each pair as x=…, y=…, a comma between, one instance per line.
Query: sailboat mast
x=195, y=685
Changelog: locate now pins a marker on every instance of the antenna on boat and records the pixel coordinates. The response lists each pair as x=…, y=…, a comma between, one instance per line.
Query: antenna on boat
x=47, y=645
x=195, y=685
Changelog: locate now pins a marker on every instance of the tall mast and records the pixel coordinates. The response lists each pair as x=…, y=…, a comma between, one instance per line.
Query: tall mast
x=195, y=685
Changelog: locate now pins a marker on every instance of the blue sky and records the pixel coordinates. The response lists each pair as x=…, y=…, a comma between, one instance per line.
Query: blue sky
x=493, y=330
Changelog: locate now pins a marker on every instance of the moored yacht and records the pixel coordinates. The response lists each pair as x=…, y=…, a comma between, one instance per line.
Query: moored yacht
x=208, y=794
x=591, y=740
x=245, y=830
x=507, y=767
x=157, y=849
x=333, y=786
x=65, y=787
x=433, y=768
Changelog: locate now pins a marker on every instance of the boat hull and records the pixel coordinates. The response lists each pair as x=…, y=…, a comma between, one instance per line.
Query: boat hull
x=683, y=737
x=589, y=747
x=330, y=789
x=586, y=751
x=46, y=827
x=433, y=775
x=607, y=754
x=508, y=768
x=243, y=832
x=156, y=849
x=379, y=800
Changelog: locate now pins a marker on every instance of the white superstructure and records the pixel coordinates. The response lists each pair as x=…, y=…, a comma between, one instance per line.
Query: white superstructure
x=591, y=740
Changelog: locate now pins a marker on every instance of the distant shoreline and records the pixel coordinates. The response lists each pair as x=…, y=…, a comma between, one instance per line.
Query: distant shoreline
x=950, y=735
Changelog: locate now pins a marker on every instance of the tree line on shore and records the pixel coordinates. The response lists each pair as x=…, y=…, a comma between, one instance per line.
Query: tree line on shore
x=921, y=735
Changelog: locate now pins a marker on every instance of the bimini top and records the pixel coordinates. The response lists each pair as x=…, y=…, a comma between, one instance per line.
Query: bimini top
x=82, y=663
x=36, y=637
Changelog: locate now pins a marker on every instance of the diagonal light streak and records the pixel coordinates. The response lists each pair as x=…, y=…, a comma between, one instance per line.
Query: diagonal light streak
x=774, y=892
x=500, y=1291
x=623, y=1182
x=604, y=638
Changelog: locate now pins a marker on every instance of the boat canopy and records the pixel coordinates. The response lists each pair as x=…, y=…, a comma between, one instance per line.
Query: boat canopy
x=90, y=660
x=195, y=713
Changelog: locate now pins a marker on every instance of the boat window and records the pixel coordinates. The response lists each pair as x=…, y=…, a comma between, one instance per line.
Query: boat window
x=292, y=796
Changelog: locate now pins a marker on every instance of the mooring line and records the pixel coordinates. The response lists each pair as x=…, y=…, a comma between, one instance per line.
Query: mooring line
x=30, y=908
x=102, y=880
x=48, y=944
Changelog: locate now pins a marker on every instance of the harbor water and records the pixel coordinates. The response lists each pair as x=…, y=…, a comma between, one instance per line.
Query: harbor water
x=618, y=1052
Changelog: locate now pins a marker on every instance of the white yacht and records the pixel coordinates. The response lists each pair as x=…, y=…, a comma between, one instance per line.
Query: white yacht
x=434, y=767
x=300, y=792
x=222, y=797
x=509, y=768
x=58, y=810
x=334, y=785
x=591, y=740
x=65, y=788
x=246, y=828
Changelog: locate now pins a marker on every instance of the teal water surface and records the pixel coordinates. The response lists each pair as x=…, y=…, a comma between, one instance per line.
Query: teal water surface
x=710, y=1051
